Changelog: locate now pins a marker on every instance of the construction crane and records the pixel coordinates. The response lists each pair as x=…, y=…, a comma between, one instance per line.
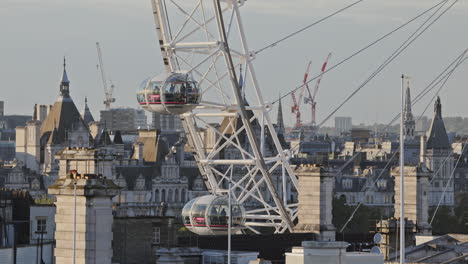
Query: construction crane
x=295, y=109
x=311, y=99
x=108, y=91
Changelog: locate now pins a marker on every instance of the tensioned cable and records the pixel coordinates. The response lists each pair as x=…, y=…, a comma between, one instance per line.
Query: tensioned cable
x=448, y=183
x=430, y=86
x=460, y=61
x=390, y=59
x=442, y=85
x=432, y=99
x=307, y=27
x=397, y=52
x=363, y=49
x=362, y=200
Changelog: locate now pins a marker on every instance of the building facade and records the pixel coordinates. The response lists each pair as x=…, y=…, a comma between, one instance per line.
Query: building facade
x=343, y=124
x=124, y=119
x=166, y=123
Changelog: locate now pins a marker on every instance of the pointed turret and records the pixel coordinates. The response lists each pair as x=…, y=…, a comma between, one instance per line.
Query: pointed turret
x=438, y=138
x=408, y=115
x=279, y=118
x=118, y=137
x=87, y=116
x=63, y=116
x=105, y=139
x=64, y=82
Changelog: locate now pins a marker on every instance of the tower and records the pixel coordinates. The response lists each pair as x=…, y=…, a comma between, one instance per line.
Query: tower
x=64, y=82
x=408, y=116
x=416, y=196
x=87, y=116
x=84, y=209
x=439, y=159
x=315, y=202
x=63, y=119
x=279, y=118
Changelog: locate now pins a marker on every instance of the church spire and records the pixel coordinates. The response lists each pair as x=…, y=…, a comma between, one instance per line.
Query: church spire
x=438, y=108
x=408, y=115
x=65, y=82
x=279, y=118
x=87, y=116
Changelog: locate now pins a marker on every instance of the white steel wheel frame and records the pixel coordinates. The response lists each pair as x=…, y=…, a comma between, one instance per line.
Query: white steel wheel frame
x=205, y=38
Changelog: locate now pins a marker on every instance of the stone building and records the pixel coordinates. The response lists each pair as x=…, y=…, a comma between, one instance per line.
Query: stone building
x=436, y=153
x=166, y=123
x=372, y=186
x=416, y=198
x=124, y=119
x=37, y=142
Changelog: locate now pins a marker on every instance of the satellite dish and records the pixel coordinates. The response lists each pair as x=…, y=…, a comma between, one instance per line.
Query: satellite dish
x=378, y=238
x=375, y=250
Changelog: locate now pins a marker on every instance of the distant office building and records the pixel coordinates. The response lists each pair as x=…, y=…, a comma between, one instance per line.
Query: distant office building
x=166, y=122
x=343, y=124
x=7, y=150
x=422, y=125
x=2, y=105
x=124, y=119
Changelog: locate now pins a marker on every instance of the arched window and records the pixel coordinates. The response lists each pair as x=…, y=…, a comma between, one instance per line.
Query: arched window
x=163, y=195
x=176, y=195
x=343, y=198
x=182, y=199
x=156, y=195
x=169, y=196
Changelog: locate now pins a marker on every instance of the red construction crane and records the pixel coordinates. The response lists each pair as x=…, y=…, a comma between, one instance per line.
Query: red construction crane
x=295, y=109
x=312, y=97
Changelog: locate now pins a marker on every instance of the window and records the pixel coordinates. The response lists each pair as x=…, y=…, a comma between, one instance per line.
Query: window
x=382, y=184
x=41, y=226
x=156, y=195
x=169, y=196
x=183, y=195
x=347, y=184
x=156, y=235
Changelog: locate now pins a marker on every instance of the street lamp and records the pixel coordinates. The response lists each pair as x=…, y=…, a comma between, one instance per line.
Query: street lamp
x=74, y=222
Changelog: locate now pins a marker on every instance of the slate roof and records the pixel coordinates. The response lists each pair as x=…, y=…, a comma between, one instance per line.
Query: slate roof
x=154, y=147
x=87, y=116
x=105, y=139
x=63, y=117
x=118, y=137
x=438, y=138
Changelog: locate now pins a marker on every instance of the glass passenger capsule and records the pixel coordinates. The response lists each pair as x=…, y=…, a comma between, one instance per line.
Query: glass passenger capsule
x=208, y=215
x=169, y=93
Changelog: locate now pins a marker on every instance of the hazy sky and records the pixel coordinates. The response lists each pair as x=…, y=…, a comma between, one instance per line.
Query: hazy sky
x=36, y=34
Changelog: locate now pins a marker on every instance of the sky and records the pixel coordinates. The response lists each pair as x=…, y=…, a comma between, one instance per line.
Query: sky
x=36, y=34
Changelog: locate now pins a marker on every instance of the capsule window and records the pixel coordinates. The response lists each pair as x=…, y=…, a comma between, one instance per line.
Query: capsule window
x=198, y=214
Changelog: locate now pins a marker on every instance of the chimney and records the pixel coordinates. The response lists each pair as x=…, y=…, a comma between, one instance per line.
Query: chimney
x=422, y=151
x=315, y=202
x=138, y=152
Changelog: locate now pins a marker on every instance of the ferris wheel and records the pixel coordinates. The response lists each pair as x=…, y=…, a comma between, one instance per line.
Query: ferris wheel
x=210, y=81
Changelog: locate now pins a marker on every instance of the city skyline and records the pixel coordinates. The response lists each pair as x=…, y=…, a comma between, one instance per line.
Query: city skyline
x=35, y=44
